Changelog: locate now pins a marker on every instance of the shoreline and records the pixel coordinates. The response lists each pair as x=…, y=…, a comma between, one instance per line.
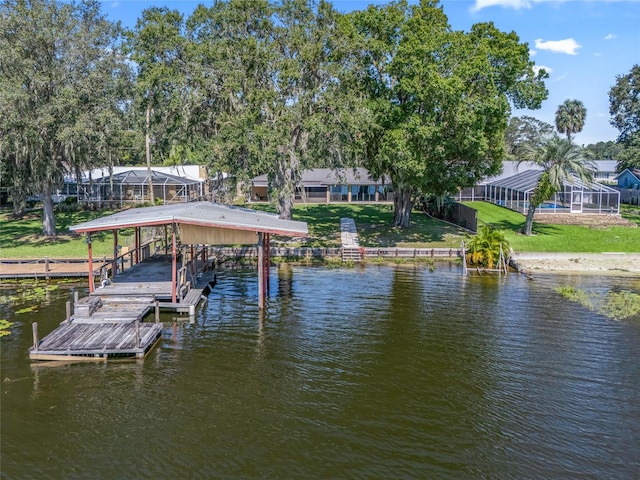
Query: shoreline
x=608, y=263
x=611, y=263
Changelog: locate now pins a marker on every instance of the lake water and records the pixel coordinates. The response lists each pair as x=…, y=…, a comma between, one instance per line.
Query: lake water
x=376, y=372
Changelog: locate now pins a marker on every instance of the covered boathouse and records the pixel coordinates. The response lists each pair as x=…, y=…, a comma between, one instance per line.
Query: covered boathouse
x=109, y=322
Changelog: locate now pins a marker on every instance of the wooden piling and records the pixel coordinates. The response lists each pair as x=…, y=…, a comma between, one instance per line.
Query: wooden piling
x=261, y=286
x=68, y=310
x=36, y=340
x=157, y=311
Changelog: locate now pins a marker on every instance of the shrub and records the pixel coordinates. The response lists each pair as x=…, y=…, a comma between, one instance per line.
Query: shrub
x=483, y=249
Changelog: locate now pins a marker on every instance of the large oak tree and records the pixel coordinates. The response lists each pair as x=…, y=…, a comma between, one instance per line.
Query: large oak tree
x=63, y=86
x=624, y=107
x=439, y=98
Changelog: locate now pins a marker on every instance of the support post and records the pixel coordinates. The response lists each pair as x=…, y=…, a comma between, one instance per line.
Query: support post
x=136, y=258
x=114, y=267
x=68, y=310
x=137, y=334
x=174, y=261
x=267, y=261
x=260, y=271
x=36, y=340
x=157, y=311
x=166, y=240
x=91, y=284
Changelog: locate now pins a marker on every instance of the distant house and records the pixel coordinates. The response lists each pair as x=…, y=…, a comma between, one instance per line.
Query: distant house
x=628, y=179
x=182, y=183
x=513, y=187
x=605, y=171
x=324, y=185
x=574, y=196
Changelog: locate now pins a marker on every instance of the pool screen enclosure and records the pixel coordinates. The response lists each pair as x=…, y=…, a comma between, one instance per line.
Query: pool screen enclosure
x=575, y=196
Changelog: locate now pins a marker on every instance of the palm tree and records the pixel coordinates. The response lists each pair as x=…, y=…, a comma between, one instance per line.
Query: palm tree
x=484, y=248
x=570, y=117
x=559, y=159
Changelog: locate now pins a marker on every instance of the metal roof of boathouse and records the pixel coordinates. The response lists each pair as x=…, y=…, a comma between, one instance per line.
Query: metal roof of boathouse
x=204, y=214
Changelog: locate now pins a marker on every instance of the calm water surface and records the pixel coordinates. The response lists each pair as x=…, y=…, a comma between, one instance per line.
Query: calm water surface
x=365, y=373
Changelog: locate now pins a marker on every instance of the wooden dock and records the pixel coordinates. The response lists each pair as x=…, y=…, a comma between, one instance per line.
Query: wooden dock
x=110, y=321
x=94, y=341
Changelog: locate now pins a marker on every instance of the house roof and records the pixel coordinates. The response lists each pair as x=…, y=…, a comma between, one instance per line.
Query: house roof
x=191, y=172
x=326, y=176
x=141, y=177
x=511, y=168
x=634, y=172
x=605, y=165
x=526, y=181
x=205, y=214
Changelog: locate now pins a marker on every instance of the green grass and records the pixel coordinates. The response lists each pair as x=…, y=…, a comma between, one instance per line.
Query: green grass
x=374, y=226
x=560, y=238
x=22, y=238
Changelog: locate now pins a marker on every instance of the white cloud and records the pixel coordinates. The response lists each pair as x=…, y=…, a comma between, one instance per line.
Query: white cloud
x=537, y=68
x=610, y=36
x=568, y=46
x=532, y=53
x=516, y=4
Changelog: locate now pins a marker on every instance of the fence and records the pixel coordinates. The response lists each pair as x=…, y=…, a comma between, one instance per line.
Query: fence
x=465, y=217
x=355, y=253
x=630, y=196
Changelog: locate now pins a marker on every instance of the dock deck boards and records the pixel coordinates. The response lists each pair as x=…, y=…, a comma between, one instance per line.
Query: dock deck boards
x=98, y=340
x=104, y=323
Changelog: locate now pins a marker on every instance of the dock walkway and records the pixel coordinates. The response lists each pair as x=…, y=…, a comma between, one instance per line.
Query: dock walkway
x=349, y=239
x=110, y=321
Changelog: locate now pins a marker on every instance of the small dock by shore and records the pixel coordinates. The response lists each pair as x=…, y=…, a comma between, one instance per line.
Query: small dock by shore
x=50, y=268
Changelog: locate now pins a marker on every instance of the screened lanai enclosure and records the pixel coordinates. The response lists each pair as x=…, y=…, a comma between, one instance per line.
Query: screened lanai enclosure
x=575, y=196
x=133, y=187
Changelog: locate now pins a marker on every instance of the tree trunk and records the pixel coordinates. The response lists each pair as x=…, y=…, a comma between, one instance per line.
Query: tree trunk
x=147, y=143
x=286, y=207
x=528, y=226
x=402, y=206
x=48, y=216
x=19, y=200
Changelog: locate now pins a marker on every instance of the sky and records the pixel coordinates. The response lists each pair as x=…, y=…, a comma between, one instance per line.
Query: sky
x=583, y=44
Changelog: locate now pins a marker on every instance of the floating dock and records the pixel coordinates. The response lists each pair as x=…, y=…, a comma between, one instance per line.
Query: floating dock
x=109, y=323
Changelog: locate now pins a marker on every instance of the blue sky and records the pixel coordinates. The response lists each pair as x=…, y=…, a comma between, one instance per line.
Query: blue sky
x=583, y=44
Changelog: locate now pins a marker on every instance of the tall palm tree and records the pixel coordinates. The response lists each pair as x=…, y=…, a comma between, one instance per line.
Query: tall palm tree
x=559, y=159
x=570, y=117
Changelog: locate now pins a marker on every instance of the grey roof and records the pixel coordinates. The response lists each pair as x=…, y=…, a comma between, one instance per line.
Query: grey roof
x=509, y=169
x=605, y=165
x=141, y=177
x=527, y=181
x=326, y=176
x=206, y=214
x=633, y=172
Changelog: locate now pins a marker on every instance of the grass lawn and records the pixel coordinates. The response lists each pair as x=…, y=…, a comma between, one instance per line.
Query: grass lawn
x=374, y=226
x=22, y=238
x=561, y=238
